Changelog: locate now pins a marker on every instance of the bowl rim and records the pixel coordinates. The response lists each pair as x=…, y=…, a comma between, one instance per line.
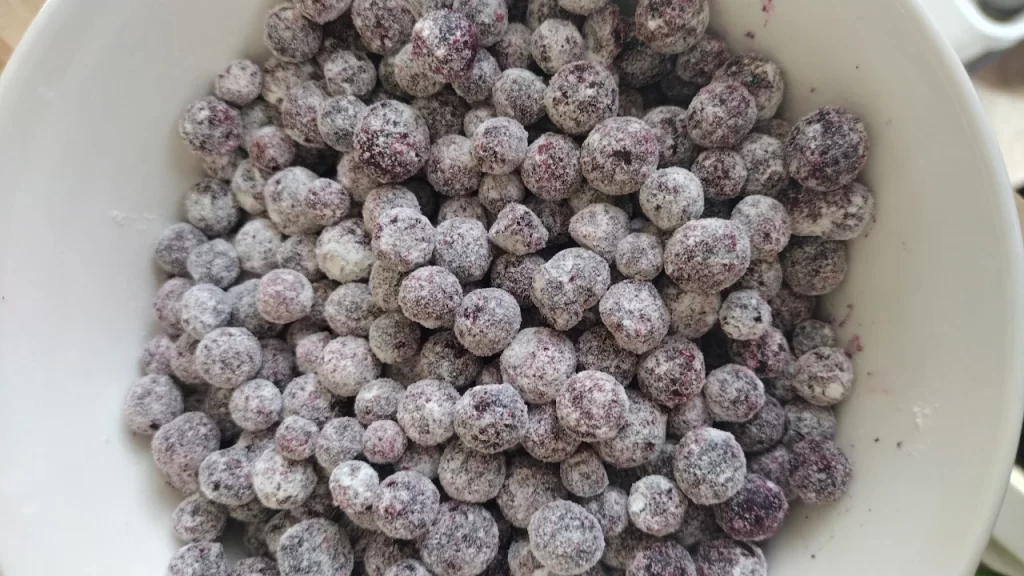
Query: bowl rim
x=22, y=75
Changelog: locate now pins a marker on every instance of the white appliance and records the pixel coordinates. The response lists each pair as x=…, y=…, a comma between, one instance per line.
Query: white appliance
x=971, y=31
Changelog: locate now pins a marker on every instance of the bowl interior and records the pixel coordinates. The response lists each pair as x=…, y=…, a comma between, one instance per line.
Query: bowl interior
x=91, y=170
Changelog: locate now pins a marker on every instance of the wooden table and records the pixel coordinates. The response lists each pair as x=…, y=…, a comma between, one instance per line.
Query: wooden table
x=15, y=16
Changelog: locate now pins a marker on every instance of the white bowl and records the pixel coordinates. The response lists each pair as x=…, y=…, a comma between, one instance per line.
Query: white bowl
x=91, y=169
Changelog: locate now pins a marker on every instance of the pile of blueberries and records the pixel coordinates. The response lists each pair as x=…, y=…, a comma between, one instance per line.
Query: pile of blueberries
x=476, y=287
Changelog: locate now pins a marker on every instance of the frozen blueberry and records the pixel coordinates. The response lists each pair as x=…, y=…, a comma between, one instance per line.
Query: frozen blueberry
x=599, y=227
x=811, y=334
x=528, y=486
x=181, y=445
x=823, y=376
x=487, y=321
x=215, y=262
x=544, y=438
x=827, y=149
x=700, y=62
x=256, y=405
x=619, y=154
x=227, y=357
x=556, y=43
x=210, y=207
x=733, y=393
x=353, y=486
x=151, y=402
x=762, y=431
x=384, y=25
x=443, y=112
x=348, y=73
x=635, y=315
x=656, y=506
x=819, y=471
x=476, y=84
x=307, y=398
x=394, y=338
x=551, y=167
x=338, y=119
x=426, y=412
x=300, y=203
x=812, y=266
x=592, y=406
x=239, y=83
x=692, y=314
x=841, y=214
x=537, y=363
x=671, y=27
x=766, y=222
x=707, y=255
x=763, y=277
x=583, y=473
x=475, y=117
x=430, y=296
x=641, y=436
x=764, y=159
x=462, y=541
x=340, y=439
x=462, y=207
x=621, y=549
x=462, y=247
x=316, y=547
x=565, y=537
x=671, y=197
x=640, y=65
x=278, y=361
x=490, y=418
x=573, y=280
x=727, y=557
x=745, y=315
x=709, y=466
x=403, y=239
x=343, y=252
x=452, y=169
x=468, y=475
x=284, y=296
x=444, y=358
x=296, y=437
x=666, y=557
x=405, y=505
x=690, y=415
x=512, y=50
x=768, y=356
x=760, y=76
x=204, y=308
x=598, y=351
x=198, y=559
x=580, y=95
x=518, y=230
x=669, y=122
x=604, y=34
x=672, y=373
x=280, y=483
x=611, y=510
x=156, y=356
x=346, y=364
x=175, y=245
x=723, y=173
x=519, y=94
x=384, y=442
x=444, y=43
x=210, y=126
x=720, y=115
x=290, y=36
x=225, y=476
x=499, y=146
x=392, y=141
x=299, y=112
